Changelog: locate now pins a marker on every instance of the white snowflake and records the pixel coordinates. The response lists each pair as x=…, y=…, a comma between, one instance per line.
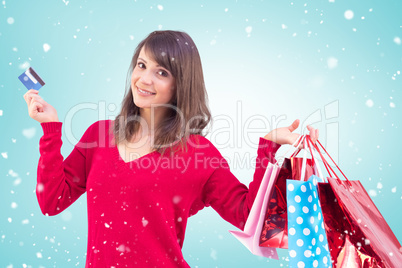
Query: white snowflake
x=349, y=14
x=29, y=133
x=379, y=185
x=46, y=47
x=369, y=103
x=332, y=62
x=144, y=222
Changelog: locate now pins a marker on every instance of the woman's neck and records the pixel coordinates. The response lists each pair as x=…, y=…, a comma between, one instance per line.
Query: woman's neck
x=152, y=119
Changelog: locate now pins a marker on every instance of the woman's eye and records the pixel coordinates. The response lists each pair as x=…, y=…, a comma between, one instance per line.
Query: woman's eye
x=141, y=65
x=163, y=73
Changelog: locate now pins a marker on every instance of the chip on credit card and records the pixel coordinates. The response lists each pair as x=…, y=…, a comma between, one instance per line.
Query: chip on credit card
x=31, y=79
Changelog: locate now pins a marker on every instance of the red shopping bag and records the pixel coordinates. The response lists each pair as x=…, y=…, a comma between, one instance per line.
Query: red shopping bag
x=358, y=235
x=274, y=231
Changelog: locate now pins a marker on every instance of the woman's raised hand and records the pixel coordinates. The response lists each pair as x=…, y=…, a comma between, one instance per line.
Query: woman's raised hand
x=39, y=109
x=285, y=135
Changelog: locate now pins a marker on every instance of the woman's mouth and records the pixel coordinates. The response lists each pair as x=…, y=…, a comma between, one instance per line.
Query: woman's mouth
x=144, y=92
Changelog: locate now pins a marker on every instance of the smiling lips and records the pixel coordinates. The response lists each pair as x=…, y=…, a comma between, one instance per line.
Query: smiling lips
x=144, y=92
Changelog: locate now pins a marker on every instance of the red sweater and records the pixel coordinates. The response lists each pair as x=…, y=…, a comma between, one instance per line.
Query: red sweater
x=138, y=211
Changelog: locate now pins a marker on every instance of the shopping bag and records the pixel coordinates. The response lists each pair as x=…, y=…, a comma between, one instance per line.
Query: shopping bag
x=307, y=240
x=252, y=229
x=358, y=235
x=344, y=240
x=274, y=230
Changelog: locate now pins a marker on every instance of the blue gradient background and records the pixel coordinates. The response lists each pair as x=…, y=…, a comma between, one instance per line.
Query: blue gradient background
x=278, y=68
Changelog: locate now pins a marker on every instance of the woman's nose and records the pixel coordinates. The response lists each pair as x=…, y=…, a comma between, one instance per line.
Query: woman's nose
x=146, y=78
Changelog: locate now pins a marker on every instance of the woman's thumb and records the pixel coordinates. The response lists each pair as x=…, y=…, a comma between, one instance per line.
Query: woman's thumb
x=294, y=125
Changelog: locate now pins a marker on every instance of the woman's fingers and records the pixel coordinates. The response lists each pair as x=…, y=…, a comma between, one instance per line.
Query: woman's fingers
x=29, y=97
x=39, y=109
x=34, y=109
x=36, y=104
x=314, y=133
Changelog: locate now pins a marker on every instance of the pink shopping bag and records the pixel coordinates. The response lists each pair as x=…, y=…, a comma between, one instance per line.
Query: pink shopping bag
x=250, y=237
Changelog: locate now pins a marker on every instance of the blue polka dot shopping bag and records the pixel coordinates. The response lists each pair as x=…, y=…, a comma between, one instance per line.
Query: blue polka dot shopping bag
x=307, y=240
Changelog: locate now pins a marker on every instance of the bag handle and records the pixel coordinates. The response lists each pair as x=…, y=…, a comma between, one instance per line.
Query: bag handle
x=302, y=139
x=331, y=173
x=325, y=161
x=298, y=141
x=304, y=163
x=315, y=163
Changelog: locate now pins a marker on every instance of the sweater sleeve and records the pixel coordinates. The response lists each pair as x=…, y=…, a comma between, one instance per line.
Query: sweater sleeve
x=59, y=183
x=228, y=196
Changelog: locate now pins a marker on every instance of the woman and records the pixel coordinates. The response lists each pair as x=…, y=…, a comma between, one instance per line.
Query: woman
x=151, y=168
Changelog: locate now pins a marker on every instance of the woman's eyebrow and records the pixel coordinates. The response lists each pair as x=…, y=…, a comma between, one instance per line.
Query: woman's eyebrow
x=159, y=66
x=142, y=59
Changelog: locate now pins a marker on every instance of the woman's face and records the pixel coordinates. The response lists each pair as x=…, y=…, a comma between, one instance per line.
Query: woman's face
x=151, y=83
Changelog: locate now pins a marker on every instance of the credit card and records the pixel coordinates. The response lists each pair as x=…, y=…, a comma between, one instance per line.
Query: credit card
x=31, y=79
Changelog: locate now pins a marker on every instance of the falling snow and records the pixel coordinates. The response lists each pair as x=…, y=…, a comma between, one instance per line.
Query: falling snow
x=214, y=254
x=349, y=14
x=24, y=65
x=176, y=199
x=12, y=173
x=331, y=58
x=248, y=30
x=144, y=222
x=66, y=215
x=10, y=20
x=29, y=133
x=332, y=62
x=40, y=187
x=46, y=47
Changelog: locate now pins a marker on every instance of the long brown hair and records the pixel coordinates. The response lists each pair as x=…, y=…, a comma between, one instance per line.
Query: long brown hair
x=189, y=113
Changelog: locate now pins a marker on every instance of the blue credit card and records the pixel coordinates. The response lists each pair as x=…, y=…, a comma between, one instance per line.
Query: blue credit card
x=31, y=79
